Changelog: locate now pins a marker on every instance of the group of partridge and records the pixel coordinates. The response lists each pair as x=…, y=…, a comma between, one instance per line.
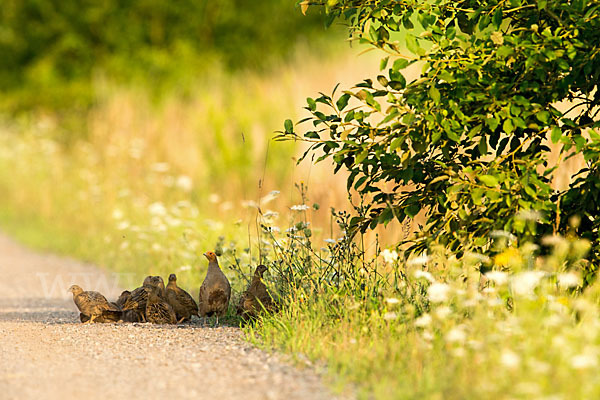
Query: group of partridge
x=155, y=303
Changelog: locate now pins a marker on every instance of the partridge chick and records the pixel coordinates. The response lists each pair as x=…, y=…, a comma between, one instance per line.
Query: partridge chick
x=158, y=311
x=94, y=307
x=184, y=305
x=256, y=298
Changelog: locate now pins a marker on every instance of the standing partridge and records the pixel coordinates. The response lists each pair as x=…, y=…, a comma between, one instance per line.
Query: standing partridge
x=215, y=291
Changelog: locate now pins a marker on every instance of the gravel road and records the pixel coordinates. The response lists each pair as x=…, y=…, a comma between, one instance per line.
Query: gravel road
x=46, y=353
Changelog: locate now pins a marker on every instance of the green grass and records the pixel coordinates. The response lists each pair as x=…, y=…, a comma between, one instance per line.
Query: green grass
x=156, y=185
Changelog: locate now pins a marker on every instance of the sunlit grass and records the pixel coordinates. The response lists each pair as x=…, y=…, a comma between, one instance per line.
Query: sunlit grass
x=157, y=184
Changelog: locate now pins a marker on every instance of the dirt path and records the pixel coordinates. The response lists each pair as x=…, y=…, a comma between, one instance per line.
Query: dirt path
x=46, y=353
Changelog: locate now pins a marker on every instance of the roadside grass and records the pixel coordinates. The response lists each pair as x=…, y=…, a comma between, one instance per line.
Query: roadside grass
x=156, y=185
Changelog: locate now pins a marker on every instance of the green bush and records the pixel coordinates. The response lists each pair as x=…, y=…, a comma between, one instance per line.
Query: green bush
x=468, y=141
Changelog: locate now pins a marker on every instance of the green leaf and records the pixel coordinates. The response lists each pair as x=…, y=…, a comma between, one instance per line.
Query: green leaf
x=434, y=94
x=489, y=180
x=435, y=136
x=556, y=134
x=412, y=210
x=543, y=116
x=412, y=45
x=361, y=156
x=312, y=104
x=508, y=126
x=497, y=19
x=399, y=64
x=342, y=101
x=382, y=80
x=476, y=195
x=289, y=126
x=396, y=143
x=453, y=136
x=504, y=51
x=383, y=63
x=482, y=146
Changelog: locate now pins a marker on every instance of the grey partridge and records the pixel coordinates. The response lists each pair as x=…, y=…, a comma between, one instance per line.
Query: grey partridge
x=215, y=292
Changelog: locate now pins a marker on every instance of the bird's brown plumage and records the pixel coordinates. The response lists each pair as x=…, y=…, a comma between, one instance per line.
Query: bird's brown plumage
x=137, y=299
x=94, y=307
x=184, y=305
x=256, y=298
x=215, y=292
x=158, y=311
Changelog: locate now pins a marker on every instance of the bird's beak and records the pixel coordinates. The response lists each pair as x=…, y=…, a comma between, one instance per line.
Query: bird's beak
x=205, y=255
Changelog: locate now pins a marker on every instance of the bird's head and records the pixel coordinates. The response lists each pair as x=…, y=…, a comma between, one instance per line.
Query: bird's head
x=158, y=282
x=172, y=278
x=147, y=281
x=260, y=270
x=75, y=289
x=211, y=256
x=124, y=295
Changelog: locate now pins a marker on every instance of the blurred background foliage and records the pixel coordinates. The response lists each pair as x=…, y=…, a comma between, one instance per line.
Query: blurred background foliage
x=52, y=50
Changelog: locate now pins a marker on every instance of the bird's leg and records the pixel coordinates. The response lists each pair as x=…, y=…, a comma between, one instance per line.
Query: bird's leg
x=217, y=322
x=181, y=320
x=89, y=321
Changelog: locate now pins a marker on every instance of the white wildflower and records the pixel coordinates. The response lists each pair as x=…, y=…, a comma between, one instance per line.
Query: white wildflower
x=392, y=300
x=185, y=268
x=498, y=277
x=524, y=284
x=123, y=225
x=226, y=205
x=184, y=183
x=156, y=247
x=503, y=234
x=459, y=352
x=443, y=312
x=418, y=274
x=388, y=316
x=584, y=361
x=423, y=321
x=427, y=335
x=417, y=261
x=495, y=302
x=173, y=221
x=455, y=335
x=160, y=167
x=330, y=241
x=568, y=280
x=510, y=359
x=299, y=207
x=489, y=290
x=438, y=292
x=249, y=204
x=529, y=215
x=214, y=198
x=157, y=209
x=389, y=256
x=117, y=214
x=539, y=367
x=124, y=245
